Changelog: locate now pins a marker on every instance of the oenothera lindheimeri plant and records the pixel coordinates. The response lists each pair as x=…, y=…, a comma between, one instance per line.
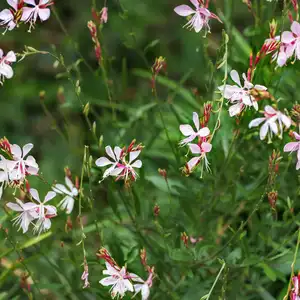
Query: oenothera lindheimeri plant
x=204, y=206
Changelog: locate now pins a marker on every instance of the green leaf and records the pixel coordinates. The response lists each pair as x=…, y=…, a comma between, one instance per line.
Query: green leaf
x=268, y=271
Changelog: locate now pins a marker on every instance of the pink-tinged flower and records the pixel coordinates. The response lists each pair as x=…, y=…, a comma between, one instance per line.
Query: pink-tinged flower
x=118, y=279
x=200, y=15
x=27, y=213
x=200, y=149
x=70, y=192
x=293, y=147
x=7, y=16
x=41, y=10
x=240, y=95
x=20, y=167
x=104, y=15
x=292, y=40
x=85, y=278
x=44, y=212
x=115, y=156
x=270, y=119
x=125, y=170
x=6, y=70
x=4, y=175
x=295, y=293
x=187, y=130
x=142, y=286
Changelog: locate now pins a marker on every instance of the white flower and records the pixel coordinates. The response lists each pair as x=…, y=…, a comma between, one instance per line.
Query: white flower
x=4, y=174
x=27, y=213
x=200, y=18
x=67, y=203
x=270, y=120
x=6, y=70
x=191, y=134
x=294, y=147
x=30, y=14
x=201, y=150
x=20, y=167
x=127, y=168
x=117, y=279
x=292, y=40
x=240, y=95
x=7, y=17
x=115, y=156
x=44, y=212
x=142, y=286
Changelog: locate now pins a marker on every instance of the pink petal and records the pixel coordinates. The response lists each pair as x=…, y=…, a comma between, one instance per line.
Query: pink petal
x=26, y=13
x=44, y=13
x=287, y=37
x=186, y=130
x=196, y=120
x=195, y=149
x=206, y=147
x=296, y=135
x=32, y=2
x=184, y=10
x=108, y=281
x=273, y=127
x=16, y=151
x=14, y=206
x=286, y=120
x=116, y=172
x=195, y=3
x=10, y=57
x=297, y=50
x=298, y=165
x=270, y=110
x=6, y=70
x=6, y=15
x=198, y=23
x=192, y=163
x=296, y=28
x=281, y=59
x=291, y=147
x=235, y=77
x=235, y=109
x=13, y=4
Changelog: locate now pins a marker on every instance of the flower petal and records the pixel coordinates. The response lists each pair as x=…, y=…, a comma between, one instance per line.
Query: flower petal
x=110, y=152
x=13, y=4
x=184, y=10
x=108, y=281
x=26, y=149
x=196, y=120
x=133, y=155
x=14, y=206
x=263, y=131
x=26, y=13
x=195, y=149
x=103, y=161
x=203, y=132
x=287, y=37
x=206, y=147
x=256, y=122
x=192, y=163
x=235, y=77
x=137, y=164
x=296, y=28
x=44, y=13
x=291, y=147
x=35, y=195
x=186, y=130
x=49, y=196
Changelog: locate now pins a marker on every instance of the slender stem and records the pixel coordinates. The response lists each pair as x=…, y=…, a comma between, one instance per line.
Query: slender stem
x=293, y=266
x=215, y=282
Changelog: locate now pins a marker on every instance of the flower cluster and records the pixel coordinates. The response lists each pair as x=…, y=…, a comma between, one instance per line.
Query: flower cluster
x=202, y=146
x=273, y=122
x=240, y=96
x=27, y=11
x=15, y=164
x=6, y=61
x=121, y=281
x=122, y=162
x=200, y=15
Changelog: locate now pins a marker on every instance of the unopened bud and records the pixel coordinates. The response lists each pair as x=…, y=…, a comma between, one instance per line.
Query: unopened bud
x=86, y=109
x=163, y=173
x=156, y=210
x=185, y=239
x=272, y=197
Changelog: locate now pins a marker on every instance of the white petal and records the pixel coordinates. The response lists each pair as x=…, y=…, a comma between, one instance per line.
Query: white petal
x=14, y=206
x=133, y=155
x=26, y=149
x=16, y=151
x=195, y=149
x=44, y=13
x=256, y=122
x=13, y=4
x=35, y=195
x=270, y=110
x=206, y=147
x=69, y=183
x=6, y=70
x=235, y=77
x=198, y=23
x=6, y=15
x=108, y=281
x=287, y=37
x=273, y=127
x=263, y=131
x=286, y=120
x=27, y=13
x=186, y=130
x=260, y=87
x=145, y=292
x=235, y=109
x=61, y=189
x=203, y=132
x=11, y=57
x=296, y=28
x=49, y=196
x=118, y=152
x=196, y=120
x=137, y=164
x=103, y=161
x=116, y=172
x=110, y=152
